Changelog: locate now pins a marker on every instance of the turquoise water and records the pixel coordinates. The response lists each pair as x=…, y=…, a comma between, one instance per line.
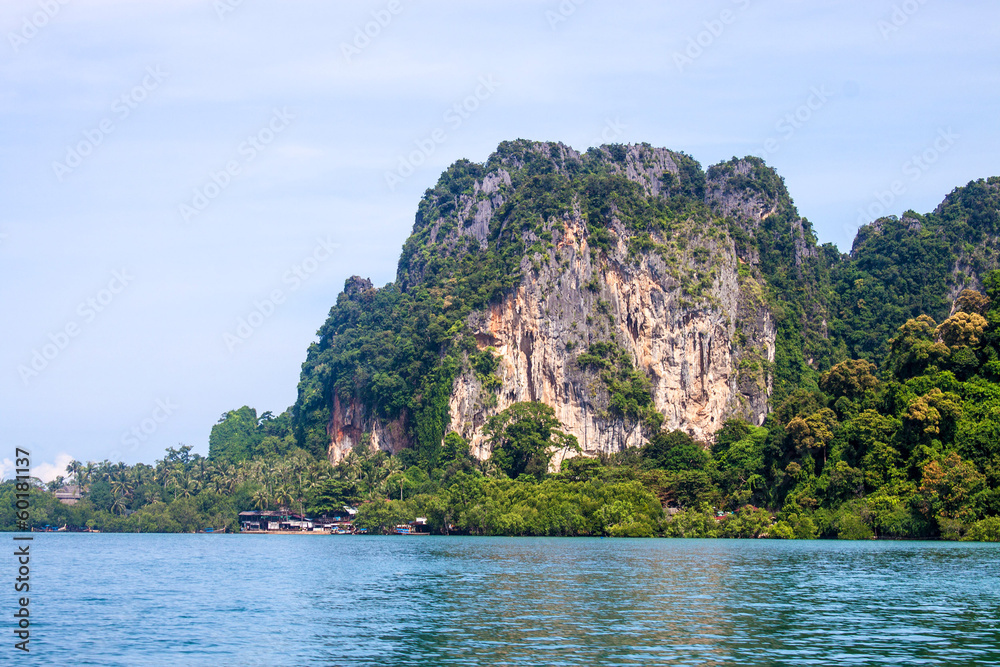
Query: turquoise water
x=101, y=599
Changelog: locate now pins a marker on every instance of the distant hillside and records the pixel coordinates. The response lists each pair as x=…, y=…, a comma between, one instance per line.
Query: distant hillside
x=900, y=268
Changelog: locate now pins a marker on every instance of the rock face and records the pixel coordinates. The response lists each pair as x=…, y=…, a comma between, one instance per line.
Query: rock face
x=689, y=353
x=688, y=311
x=350, y=423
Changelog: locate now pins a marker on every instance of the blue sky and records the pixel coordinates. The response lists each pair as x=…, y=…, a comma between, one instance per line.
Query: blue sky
x=187, y=183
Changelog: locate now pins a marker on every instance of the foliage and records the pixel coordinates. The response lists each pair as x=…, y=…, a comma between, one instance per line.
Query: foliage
x=523, y=437
x=240, y=435
x=902, y=268
x=395, y=351
x=676, y=451
x=984, y=530
x=914, y=452
x=797, y=274
x=629, y=390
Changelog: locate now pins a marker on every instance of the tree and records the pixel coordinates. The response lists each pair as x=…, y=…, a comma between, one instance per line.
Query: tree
x=740, y=463
x=932, y=416
x=675, y=451
x=74, y=469
x=733, y=430
x=121, y=489
x=914, y=349
x=382, y=516
x=813, y=433
x=284, y=496
x=852, y=378
x=119, y=505
x=331, y=495
x=691, y=488
x=100, y=495
x=962, y=329
x=580, y=468
x=261, y=498
x=236, y=436
x=454, y=449
x=948, y=487
x=882, y=465
x=971, y=301
x=523, y=436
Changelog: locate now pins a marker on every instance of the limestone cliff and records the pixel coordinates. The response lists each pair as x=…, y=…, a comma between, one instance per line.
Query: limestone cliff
x=621, y=245
x=701, y=372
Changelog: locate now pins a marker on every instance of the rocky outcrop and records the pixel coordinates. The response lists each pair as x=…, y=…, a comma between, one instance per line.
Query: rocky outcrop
x=700, y=374
x=352, y=423
x=687, y=310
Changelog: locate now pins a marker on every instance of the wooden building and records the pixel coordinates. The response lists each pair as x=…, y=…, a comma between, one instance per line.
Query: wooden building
x=263, y=521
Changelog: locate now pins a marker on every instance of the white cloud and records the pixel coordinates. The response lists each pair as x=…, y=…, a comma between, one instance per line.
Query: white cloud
x=49, y=471
x=7, y=469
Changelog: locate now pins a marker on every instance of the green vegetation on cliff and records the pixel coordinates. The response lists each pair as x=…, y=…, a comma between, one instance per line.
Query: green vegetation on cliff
x=795, y=271
x=901, y=268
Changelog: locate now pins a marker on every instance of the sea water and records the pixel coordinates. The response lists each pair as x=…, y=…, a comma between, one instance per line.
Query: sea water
x=140, y=599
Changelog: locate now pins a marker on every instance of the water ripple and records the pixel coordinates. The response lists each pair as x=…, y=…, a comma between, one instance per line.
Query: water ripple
x=286, y=600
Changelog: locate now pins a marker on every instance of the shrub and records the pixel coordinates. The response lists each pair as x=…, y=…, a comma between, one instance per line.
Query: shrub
x=984, y=530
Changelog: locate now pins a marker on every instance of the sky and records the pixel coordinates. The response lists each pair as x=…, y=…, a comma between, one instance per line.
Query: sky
x=186, y=184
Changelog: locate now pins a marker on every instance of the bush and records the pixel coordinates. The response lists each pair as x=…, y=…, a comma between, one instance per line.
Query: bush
x=850, y=526
x=748, y=522
x=692, y=523
x=781, y=531
x=984, y=530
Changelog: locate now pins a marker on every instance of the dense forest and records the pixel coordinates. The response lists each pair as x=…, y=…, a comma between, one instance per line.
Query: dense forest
x=884, y=422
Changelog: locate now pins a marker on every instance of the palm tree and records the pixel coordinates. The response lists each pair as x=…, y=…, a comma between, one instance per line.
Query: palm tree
x=178, y=478
x=85, y=474
x=74, y=470
x=118, y=471
x=260, y=499
x=223, y=482
x=162, y=475
x=283, y=495
x=188, y=487
x=141, y=474
x=121, y=487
